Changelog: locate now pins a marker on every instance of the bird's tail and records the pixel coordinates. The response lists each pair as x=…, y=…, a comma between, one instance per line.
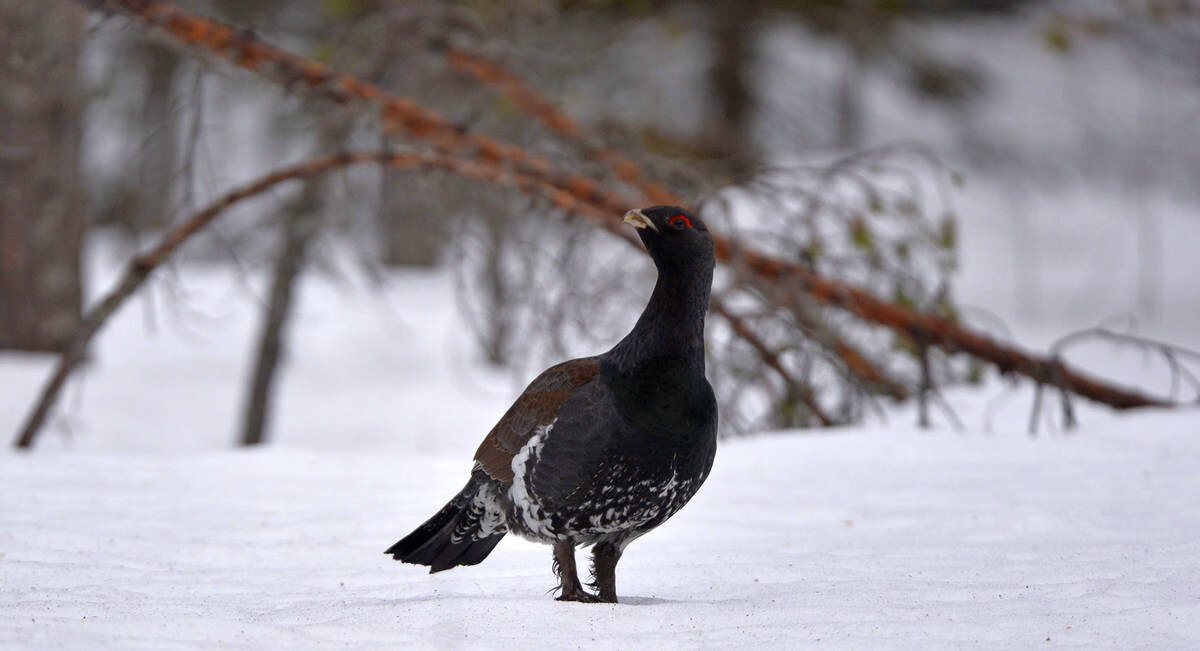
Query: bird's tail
x=464, y=532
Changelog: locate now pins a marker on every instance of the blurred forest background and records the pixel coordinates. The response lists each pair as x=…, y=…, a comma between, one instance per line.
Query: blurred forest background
x=836, y=133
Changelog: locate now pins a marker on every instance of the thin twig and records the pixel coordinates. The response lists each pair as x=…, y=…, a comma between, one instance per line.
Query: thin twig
x=769, y=358
x=540, y=108
x=141, y=266
x=585, y=196
x=536, y=105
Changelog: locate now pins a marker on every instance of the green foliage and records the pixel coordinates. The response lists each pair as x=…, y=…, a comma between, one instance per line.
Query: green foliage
x=812, y=251
x=975, y=369
x=323, y=52
x=1056, y=38
x=944, y=82
x=948, y=233
x=860, y=234
x=901, y=297
x=342, y=8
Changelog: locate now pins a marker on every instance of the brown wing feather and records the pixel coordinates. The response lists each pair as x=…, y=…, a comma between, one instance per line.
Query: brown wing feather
x=537, y=405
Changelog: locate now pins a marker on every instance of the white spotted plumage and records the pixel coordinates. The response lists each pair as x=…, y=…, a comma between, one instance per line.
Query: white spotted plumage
x=533, y=520
x=491, y=520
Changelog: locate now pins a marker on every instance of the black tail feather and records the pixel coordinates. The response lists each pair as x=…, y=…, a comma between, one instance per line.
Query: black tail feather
x=452, y=537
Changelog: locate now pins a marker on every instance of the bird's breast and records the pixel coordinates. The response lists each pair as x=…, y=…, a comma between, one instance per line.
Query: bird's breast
x=663, y=397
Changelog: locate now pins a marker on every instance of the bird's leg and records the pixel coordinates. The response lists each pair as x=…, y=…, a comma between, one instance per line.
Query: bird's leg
x=568, y=576
x=604, y=570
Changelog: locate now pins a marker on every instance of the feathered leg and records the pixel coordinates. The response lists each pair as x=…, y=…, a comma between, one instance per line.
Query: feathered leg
x=604, y=570
x=568, y=576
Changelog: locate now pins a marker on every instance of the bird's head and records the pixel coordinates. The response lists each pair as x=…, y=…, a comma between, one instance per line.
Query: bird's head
x=676, y=239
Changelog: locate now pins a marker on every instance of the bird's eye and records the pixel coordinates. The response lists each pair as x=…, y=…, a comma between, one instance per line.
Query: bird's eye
x=680, y=221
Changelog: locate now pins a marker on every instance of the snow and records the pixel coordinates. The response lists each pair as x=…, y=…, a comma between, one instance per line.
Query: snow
x=144, y=528
x=136, y=524
x=875, y=537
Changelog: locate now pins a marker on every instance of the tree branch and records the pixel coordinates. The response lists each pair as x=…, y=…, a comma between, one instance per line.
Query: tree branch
x=537, y=106
x=771, y=359
x=141, y=266
x=583, y=195
x=918, y=327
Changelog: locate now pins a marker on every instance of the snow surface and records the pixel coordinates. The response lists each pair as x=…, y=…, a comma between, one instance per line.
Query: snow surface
x=134, y=523
x=870, y=538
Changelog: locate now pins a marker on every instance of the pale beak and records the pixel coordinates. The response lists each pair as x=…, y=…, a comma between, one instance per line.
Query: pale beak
x=637, y=219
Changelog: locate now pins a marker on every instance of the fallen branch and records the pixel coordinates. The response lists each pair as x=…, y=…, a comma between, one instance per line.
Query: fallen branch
x=771, y=359
x=583, y=195
x=397, y=115
x=1171, y=354
x=143, y=265
x=918, y=327
x=536, y=105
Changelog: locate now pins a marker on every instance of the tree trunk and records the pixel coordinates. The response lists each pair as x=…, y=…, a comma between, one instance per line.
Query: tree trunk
x=41, y=204
x=158, y=159
x=298, y=228
x=733, y=29
x=849, y=109
x=299, y=222
x=411, y=220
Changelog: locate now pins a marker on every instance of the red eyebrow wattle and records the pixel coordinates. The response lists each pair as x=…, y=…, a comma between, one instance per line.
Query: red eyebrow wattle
x=677, y=218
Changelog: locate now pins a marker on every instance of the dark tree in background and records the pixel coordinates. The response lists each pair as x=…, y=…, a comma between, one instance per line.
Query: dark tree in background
x=42, y=219
x=141, y=201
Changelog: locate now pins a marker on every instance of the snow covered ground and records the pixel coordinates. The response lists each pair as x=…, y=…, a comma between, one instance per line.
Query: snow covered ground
x=134, y=523
x=880, y=537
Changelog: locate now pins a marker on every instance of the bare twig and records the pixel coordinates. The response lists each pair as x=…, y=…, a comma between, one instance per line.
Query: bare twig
x=771, y=359
x=854, y=362
x=575, y=193
x=926, y=384
x=536, y=105
x=397, y=115
x=1171, y=354
x=144, y=264
x=1035, y=413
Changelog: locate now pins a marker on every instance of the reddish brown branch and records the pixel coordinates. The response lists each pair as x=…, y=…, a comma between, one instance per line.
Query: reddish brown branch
x=941, y=333
x=397, y=115
x=533, y=103
x=926, y=328
x=143, y=265
x=583, y=195
x=856, y=364
x=771, y=359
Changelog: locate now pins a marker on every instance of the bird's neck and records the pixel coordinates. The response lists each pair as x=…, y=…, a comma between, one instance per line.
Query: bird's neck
x=672, y=324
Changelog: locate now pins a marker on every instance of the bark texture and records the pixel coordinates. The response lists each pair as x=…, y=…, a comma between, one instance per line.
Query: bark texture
x=41, y=203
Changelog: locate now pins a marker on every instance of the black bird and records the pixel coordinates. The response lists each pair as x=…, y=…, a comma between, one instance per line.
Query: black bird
x=600, y=450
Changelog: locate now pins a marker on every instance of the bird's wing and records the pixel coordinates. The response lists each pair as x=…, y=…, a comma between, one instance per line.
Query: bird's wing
x=537, y=406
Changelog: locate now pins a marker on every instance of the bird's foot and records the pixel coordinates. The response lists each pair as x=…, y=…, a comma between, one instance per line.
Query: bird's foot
x=578, y=594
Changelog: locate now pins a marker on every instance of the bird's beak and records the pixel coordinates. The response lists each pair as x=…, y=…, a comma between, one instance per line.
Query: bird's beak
x=638, y=219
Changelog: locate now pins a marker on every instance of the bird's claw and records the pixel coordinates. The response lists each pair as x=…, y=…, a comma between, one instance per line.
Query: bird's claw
x=580, y=595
